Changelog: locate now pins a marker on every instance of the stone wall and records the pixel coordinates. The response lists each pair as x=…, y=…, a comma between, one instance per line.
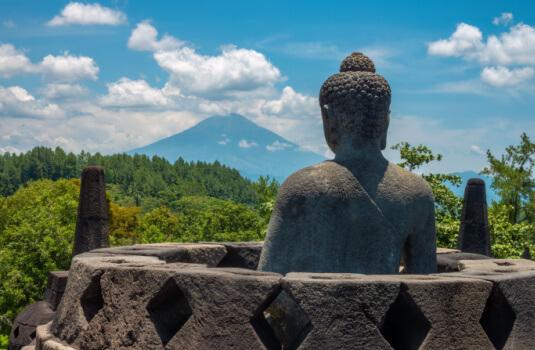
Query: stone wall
x=144, y=297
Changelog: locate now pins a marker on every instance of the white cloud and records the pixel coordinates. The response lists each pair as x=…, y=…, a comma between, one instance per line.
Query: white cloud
x=291, y=103
x=68, y=68
x=133, y=93
x=504, y=19
x=233, y=70
x=464, y=41
x=13, y=61
x=145, y=38
x=278, y=146
x=87, y=14
x=247, y=144
x=63, y=68
x=63, y=90
x=17, y=102
x=516, y=46
x=224, y=141
x=502, y=76
x=501, y=55
x=476, y=149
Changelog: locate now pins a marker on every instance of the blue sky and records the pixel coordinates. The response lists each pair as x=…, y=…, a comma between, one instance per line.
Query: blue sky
x=114, y=75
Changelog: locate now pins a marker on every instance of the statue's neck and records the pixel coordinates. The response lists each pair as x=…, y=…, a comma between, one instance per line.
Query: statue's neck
x=362, y=152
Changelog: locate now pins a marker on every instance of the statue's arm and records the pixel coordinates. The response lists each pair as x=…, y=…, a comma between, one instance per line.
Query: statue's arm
x=420, y=250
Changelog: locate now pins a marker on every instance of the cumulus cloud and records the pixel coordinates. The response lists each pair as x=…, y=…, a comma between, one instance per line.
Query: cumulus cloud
x=68, y=68
x=515, y=47
x=145, y=38
x=63, y=90
x=291, y=102
x=133, y=93
x=17, y=102
x=464, y=41
x=247, y=144
x=87, y=14
x=65, y=68
x=278, y=146
x=502, y=76
x=13, y=61
x=233, y=70
x=504, y=19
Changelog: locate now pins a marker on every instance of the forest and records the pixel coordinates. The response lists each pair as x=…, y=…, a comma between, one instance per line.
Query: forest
x=152, y=200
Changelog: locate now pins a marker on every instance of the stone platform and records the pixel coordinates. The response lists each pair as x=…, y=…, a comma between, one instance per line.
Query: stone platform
x=208, y=296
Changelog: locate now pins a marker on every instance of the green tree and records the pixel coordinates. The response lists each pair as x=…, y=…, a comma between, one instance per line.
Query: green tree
x=36, y=236
x=266, y=189
x=513, y=179
x=447, y=205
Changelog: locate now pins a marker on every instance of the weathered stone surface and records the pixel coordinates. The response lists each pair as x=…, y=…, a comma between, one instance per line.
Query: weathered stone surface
x=81, y=297
x=446, y=251
x=147, y=306
x=357, y=213
x=451, y=262
x=24, y=326
x=497, y=265
x=224, y=306
x=453, y=307
x=209, y=254
x=244, y=255
x=57, y=280
x=345, y=311
x=474, y=235
x=47, y=341
x=92, y=220
x=509, y=331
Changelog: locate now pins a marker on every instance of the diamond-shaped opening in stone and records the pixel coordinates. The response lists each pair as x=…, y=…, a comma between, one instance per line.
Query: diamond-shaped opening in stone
x=281, y=323
x=91, y=299
x=169, y=310
x=404, y=325
x=498, y=318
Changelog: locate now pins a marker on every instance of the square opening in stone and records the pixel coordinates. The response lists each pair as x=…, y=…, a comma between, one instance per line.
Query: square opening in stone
x=281, y=323
x=169, y=310
x=498, y=318
x=91, y=299
x=404, y=326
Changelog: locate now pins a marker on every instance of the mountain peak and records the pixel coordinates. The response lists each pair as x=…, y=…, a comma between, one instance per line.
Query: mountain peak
x=236, y=141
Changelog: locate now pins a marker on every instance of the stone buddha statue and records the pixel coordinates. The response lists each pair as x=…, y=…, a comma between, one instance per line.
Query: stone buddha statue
x=357, y=213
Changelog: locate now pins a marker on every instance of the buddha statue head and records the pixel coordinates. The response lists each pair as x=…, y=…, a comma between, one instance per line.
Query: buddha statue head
x=355, y=105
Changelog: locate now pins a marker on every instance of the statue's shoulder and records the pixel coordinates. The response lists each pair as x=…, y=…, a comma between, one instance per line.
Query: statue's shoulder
x=316, y=179
x=413, y=185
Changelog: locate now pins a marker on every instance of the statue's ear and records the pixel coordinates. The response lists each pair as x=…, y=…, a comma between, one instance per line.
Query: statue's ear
x=330, y=126
x=383, y=137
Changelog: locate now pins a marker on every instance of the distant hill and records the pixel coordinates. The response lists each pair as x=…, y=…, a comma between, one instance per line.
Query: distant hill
x=237, y=142
x=467, y=175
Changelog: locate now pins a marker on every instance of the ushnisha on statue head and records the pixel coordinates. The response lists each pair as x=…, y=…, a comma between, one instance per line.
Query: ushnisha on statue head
x=355, y=105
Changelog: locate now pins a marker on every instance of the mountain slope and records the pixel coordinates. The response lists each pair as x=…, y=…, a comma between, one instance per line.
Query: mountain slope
x=237, y=142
